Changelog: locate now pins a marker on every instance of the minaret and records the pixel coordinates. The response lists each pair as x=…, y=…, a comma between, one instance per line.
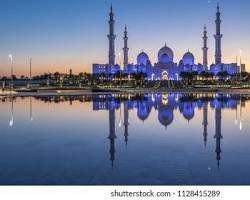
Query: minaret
x=112, y=135
x=205, y=123
x=126, y=121
x=218, y=135
x=111, y=37
x=125, y=49
x=218, y=37
x=205, y=49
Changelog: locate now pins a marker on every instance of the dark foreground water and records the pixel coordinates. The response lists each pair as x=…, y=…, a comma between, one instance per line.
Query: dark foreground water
x=155, y=139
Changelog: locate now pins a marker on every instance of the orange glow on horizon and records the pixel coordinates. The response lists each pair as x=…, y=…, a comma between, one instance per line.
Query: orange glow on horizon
x=41, y=67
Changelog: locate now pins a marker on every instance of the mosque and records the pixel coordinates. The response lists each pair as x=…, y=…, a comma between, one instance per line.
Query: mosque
x=166, y=68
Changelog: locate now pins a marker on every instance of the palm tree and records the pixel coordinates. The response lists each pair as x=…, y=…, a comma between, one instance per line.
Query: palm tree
x=188, y=77
x=245, y=76
x=223, y=75
x=194, y=76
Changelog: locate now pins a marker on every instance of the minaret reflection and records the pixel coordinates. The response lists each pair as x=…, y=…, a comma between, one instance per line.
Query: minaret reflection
x=205, y=123
x=112, y=135
x=120, y=120
x=126, y=121
x=218, y=135
x=12, y=112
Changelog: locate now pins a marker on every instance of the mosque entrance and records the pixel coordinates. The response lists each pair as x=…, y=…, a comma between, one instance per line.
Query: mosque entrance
x=164, y=76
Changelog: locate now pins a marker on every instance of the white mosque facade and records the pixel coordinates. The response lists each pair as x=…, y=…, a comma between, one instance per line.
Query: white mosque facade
x=166, y=68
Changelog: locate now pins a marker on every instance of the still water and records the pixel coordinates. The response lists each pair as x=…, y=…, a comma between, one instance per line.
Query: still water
x=155, y=139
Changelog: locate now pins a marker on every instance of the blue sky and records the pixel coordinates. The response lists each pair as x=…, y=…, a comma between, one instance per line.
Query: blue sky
x=63, y=34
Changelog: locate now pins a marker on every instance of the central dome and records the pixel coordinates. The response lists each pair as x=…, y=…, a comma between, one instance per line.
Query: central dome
x=165, y=116
x=165, y=55
x=188, y=58
x=142, y=59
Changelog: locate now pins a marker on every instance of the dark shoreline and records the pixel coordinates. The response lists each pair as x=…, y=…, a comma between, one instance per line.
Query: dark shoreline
x=79, y=92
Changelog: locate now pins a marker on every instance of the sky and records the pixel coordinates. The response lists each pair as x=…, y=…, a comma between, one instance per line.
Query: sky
x=72, y=34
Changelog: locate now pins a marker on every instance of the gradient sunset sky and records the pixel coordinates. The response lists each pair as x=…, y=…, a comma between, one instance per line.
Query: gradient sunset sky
x=64, y=34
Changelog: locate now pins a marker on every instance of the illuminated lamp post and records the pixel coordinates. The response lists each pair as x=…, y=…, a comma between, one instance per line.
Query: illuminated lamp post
x=30, y=72
x=240, y=65
x=11, y=69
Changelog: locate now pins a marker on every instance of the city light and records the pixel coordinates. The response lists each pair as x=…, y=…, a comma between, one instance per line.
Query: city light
x=11, y=123
x=11, y=57
x=11, y=69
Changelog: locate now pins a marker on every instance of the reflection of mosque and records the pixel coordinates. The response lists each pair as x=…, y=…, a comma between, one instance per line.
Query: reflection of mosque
x=205, y=123
x=218, y=135
x=166, y=104
x=126, y=121
x=112, y=135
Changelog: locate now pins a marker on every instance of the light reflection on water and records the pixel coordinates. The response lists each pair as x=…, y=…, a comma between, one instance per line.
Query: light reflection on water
x=125, y=139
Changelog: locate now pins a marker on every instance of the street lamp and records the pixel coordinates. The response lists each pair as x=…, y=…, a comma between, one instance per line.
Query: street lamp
x=30, y=68
x=240, y=64
x=11, y=68
x=240, y=113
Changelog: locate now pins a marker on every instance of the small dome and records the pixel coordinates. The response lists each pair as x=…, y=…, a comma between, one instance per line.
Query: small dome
x=188, y=58
x=143, y=111
x=188, y=111
x=181, y=63
x=165, y=116
x=165, y=55
x=142, y=59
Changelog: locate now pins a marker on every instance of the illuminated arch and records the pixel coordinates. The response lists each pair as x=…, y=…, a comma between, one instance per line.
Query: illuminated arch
x=164, y=75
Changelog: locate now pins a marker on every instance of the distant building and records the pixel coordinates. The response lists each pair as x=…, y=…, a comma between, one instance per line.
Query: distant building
x=100, y=69
x=231, y=69
x=243, y=67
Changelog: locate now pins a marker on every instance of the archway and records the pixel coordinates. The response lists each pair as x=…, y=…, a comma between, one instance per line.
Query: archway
x=164, y=76
x=153, y=77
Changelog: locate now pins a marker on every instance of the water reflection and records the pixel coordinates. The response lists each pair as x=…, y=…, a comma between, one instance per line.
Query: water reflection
x=31, y=110
x=12, y=99
x=205, y=123
x=12, y=112
x=126, y=121
x=112, y=135
x=166, y=105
